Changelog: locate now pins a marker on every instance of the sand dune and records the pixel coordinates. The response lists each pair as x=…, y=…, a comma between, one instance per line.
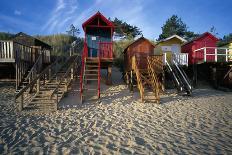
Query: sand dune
x=120, y=124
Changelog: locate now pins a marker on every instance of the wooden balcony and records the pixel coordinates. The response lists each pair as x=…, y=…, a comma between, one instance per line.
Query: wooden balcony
x=213, y=54
x=10, y=51
x=104, y=52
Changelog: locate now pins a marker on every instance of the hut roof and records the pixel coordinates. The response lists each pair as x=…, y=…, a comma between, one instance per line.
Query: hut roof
x=174, y=36
x=28, y=40
x=97, y=15
x=137, y=40
x=202, y=36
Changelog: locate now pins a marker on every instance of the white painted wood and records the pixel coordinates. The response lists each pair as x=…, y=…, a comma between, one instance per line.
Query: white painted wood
x=215, y=54
x=165, y=58
x=205, y=54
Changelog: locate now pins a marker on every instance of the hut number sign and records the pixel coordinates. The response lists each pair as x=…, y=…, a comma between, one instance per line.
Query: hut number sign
x=94, y=38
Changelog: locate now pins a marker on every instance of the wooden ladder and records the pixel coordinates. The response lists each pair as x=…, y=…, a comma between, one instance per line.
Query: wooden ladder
x=90, y=74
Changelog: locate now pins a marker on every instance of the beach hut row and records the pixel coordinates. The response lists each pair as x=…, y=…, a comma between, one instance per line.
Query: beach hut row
x=200, y=56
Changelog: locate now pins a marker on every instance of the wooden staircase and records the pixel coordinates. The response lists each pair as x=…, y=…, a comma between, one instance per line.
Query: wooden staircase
x=90, y=77
x=146, y=81
x=48, y=91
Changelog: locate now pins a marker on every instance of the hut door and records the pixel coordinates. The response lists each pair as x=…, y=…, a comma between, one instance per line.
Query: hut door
x=93, y=51
x=175, y=49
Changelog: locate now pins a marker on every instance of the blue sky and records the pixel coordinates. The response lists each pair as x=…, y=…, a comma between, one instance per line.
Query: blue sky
x=55, y=16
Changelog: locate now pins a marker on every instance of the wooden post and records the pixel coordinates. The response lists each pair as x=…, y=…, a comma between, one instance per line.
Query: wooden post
x=194, y=75
x=165, y=58
x=66, y=85
x=50, y=74
x=215, y=53
x=72, y=72
x=214, y=77
x=109, y=73
x=20, y=107
x=227, y=55
x=38, y=85
x=205, y=54
x=131, y=81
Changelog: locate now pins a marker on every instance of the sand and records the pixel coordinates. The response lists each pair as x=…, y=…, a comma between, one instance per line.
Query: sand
x=120, y=124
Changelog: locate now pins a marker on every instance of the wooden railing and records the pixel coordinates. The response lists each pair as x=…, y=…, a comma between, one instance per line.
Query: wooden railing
x=66, y=78
x=212, y=54
x=154, y=78
x=6, y=50
x=83, y=60
x=25, y=92
x=36, y=68
x=139, y=79
x=106, y=50
x=181, y=58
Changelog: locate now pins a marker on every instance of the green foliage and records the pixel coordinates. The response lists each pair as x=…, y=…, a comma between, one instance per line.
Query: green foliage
x=61, y=43
x=225, y=40
x=119, y=47
x=124, y=30
x=6, y=36
x=174, y=25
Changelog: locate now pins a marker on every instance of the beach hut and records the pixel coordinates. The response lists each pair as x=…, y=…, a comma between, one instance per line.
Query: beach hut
x=142, y=67
x=98, y=51
x=20, y=56
x=204, y=40
x=209, y=62
x=142, y=48
x=171, y=46
x=38, y=45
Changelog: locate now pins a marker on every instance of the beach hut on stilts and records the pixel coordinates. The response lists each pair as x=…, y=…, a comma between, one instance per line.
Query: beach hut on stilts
x=97, y=53
x=144, y=69
x=175, y=62
x=208, y=61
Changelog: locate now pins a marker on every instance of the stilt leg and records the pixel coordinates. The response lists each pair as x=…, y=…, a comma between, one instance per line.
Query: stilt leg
x=109, y=74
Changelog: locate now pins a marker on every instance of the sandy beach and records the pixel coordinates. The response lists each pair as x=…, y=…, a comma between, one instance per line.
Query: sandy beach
x=120, y=124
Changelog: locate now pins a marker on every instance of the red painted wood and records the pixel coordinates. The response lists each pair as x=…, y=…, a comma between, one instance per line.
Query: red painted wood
x=204, y=40
x=141, y=48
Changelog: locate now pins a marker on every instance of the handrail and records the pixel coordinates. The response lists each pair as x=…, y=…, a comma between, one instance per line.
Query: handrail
x=139, y=81
x=154, y=78
x=34, y=67
x=35, y=80
x=170, y=68
x=84, y=55
x=64, y=76
x=183, y=75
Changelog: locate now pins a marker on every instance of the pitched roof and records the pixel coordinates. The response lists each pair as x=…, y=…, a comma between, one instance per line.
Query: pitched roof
x=20, y=34
x=96, y=15
x=174, y=36
x=201, y=36
x=137, y=40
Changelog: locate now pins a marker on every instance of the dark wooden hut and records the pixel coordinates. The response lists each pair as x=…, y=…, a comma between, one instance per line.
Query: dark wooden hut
x=141, y=48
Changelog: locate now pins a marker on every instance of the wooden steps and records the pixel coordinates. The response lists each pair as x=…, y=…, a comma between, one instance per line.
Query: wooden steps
x=147, y=80
x=91, y=74
x=48, y=93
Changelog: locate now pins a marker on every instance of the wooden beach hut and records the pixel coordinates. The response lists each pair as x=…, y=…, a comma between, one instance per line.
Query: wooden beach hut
x=142, y=67
x=98, y=51
x=19, y=55
x=171, y=46
x=204, y=40
x=208, y=62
